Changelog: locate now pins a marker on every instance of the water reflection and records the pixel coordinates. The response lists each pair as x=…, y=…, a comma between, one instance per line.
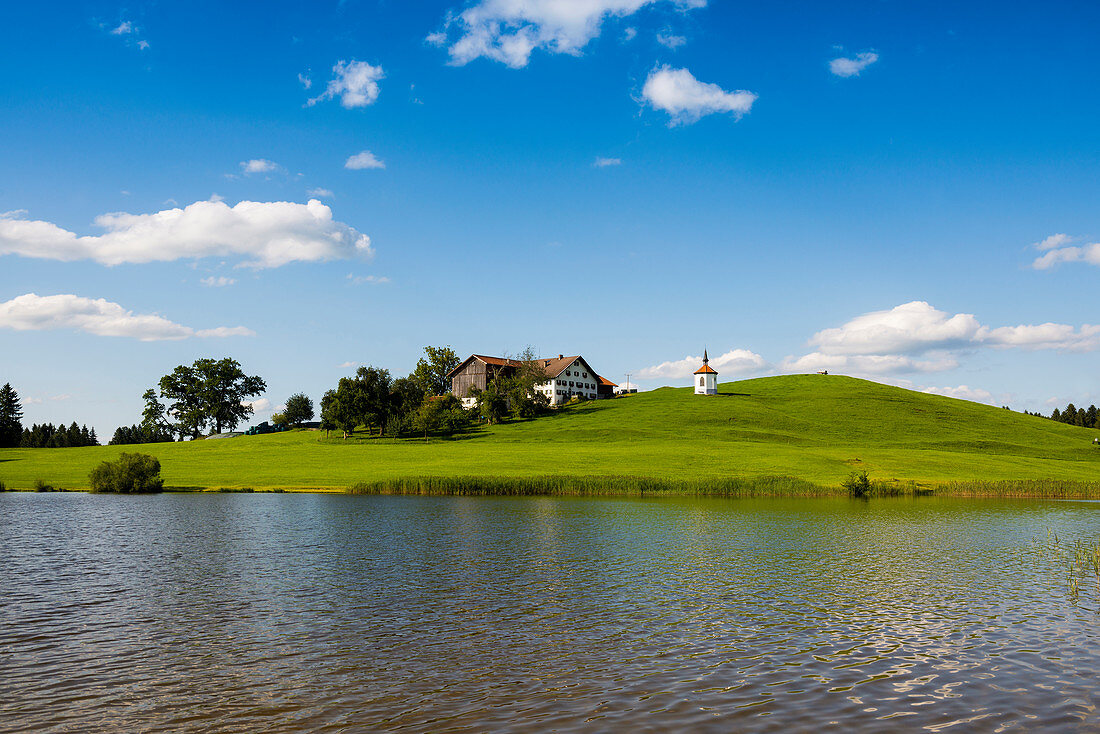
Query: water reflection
x=329, y=613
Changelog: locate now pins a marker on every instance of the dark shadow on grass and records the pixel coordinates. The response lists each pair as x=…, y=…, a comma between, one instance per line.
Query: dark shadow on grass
x=734, y=395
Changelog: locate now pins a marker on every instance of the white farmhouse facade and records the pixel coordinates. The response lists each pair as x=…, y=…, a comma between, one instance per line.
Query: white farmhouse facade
x=565, y=377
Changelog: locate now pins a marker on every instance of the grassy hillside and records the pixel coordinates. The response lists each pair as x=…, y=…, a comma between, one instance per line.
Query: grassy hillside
x=816, y=428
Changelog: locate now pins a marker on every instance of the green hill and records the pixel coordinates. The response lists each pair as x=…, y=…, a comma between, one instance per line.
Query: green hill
x=815, y=428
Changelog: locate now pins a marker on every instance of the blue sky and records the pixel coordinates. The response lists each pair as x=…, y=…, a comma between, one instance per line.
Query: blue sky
x=902, y=191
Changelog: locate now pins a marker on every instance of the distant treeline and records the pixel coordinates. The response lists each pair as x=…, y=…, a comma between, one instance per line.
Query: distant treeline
x=47, y=436
x=140, y=434
x=1085, y=417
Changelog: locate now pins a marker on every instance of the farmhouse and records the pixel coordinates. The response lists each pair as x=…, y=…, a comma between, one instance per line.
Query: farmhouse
x=565, y=377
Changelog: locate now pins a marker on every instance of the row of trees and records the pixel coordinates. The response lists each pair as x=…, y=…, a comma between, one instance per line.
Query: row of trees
x=414, y=404
x=48, y=436
x=140, y=434
x=207, y=395
x=1074, y=416
x=419, y=403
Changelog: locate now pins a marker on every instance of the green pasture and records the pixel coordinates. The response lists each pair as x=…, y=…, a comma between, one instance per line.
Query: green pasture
x=813, y=428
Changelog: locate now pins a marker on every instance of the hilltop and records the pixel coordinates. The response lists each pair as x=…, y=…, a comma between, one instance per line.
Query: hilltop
x=816, y=428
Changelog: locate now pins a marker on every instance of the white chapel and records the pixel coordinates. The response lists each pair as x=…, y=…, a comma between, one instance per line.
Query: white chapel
x=706, y=379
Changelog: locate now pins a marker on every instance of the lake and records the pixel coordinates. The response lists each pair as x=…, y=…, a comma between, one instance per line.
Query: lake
x=279, y=612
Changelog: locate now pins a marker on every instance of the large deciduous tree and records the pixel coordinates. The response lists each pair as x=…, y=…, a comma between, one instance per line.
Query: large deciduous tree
x=210, y=393
x=11, y=414
x=299, y=409
x=432, y=369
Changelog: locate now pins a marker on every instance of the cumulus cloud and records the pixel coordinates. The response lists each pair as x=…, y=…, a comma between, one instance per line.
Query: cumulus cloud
x=686, y=99
x=1062, y=337
x=509, y=30
x=666, y=39
x=262, y=234
x=305, y=81
x=605, y=162
x=321, y=193
x=363, y=160
x=963, y=392
x=354, y=82
x=1057, y=249
x=219, y=282
x=260, y=405
x=31, y=312
x=259, y=165
x=733, y=362
x=847, y=67
x=867, y=364
x=123, y=28
x=909, y=328
x=916, y=337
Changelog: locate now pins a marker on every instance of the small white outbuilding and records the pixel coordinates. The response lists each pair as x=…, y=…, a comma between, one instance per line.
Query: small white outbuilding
x=706, y=379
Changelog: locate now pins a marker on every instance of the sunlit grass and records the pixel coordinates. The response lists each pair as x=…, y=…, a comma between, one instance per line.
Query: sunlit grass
x=816, y=429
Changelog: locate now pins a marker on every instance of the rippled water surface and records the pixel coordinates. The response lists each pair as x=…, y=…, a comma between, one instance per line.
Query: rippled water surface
x=221, y=612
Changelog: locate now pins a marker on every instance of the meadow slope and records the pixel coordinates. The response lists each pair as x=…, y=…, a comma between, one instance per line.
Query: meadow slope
x=815, y=428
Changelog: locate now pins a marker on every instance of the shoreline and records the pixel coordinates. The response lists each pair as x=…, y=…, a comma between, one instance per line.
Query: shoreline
x=628, y=486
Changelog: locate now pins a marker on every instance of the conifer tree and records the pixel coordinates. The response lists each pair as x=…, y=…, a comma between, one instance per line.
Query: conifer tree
x=11, y=414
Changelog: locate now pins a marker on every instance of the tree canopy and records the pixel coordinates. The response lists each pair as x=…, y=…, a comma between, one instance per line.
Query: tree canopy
x=299, y=409
x=432, y=369
x=209, y=393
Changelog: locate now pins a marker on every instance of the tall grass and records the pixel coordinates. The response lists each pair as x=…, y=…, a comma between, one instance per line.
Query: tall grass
x=580, y=486
x=767, y=486
x=1031, y=488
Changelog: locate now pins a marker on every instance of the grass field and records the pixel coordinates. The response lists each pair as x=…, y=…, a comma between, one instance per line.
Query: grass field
x=814, y=429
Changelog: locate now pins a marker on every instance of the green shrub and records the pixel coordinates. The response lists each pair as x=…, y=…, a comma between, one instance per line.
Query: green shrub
x=857, y=484
x=40, y=486
x=129, y=474
x=3, y=487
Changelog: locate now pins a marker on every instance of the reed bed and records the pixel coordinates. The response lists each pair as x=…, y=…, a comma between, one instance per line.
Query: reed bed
x=586, y=486
x=1021, y=488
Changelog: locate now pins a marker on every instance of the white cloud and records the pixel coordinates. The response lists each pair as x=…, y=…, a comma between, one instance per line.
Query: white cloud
x=348, y=365
x=915, y=337
x=666, y=39
x=909, y=328
x=629, y=34
x=1062, y=337
x=867, y=364
x=1055, y=240
x=1056, y=249
x=605, y=162
x=509, y=30
x=263, y=234
x=219, y=282
x=733, y=362
x=372, y=279
x=31, y=312
x=355, y=83
x=122, y=29
x=143, y=44
x=305, y=81
x=963, y=392
x=363, y=160
x=260, y=405
x=847, y=67
x=436, y=39
x=319, y=192
x=259, y=165
x=686, y=99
